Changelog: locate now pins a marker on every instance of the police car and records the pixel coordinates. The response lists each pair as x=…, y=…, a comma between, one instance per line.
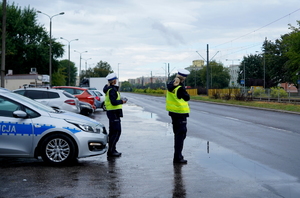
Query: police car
x=31, y=129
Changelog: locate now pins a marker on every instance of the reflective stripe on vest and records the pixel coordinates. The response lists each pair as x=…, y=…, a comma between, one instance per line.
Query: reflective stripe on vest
x=108, y=104
x=173, y=104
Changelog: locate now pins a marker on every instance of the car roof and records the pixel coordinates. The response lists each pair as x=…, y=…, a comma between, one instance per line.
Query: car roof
x=4, y=89
x=42, y=89
x=54, y=87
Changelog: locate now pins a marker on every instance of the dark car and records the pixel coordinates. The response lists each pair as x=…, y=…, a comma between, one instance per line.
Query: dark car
x=85, y=108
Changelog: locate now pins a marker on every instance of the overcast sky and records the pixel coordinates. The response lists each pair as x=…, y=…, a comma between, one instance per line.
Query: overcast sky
x=137, y=37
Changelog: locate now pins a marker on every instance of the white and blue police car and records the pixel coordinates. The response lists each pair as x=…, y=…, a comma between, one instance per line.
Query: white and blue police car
x=31, y=129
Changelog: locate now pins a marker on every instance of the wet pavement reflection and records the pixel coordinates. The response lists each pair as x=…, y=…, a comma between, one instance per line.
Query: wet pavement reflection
x=146, y=169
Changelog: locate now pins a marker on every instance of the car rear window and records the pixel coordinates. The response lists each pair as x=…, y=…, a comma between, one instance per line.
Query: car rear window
x=72, y=91
x=53, y=95
x=98, y=93
x=68, y=95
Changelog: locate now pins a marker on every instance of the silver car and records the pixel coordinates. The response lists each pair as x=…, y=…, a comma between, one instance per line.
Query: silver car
x=57, y=99
x=101, y=96
x=31, y=129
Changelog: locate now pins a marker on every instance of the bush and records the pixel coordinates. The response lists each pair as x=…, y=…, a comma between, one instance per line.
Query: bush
x=226, y=96
x=277, y=92
x=216, y=95
x=259, y=92
x=148, y=90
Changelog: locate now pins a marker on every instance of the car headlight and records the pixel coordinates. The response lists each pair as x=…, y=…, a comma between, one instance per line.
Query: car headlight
x=86, y=127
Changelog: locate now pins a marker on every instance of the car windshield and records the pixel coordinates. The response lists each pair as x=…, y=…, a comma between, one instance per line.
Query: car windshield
x=30, y=101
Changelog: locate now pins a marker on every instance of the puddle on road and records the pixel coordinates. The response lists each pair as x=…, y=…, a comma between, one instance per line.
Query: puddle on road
x=146, y=115
x=229, y=164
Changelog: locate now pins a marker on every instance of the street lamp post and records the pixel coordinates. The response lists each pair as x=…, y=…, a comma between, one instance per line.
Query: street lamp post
x=119, y=72
x=50, y=47
x=86, y=64
x=69, y=56
x=80, y=62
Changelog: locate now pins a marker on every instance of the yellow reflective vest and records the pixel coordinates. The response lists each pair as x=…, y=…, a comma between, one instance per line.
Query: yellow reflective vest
x=175, y=105
x=108, y=104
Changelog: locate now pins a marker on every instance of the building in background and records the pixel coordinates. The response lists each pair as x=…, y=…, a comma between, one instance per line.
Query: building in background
x=197, y=65
x=33, y=79
x=234, y=71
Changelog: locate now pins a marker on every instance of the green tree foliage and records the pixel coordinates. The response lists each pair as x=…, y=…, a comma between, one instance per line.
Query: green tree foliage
x=64, y=64
x=292, y=52
x=59, y=77
x=194, y=79
x=219, y=75
x=27, y=42
x=102, y=69
x=126, y=86
x=275, y=62
x=253, y=65
x=281, y=59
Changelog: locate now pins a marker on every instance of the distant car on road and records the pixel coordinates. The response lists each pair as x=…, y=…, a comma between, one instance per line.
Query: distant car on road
x=81, y=93
x=57, y=99
x=31, y=129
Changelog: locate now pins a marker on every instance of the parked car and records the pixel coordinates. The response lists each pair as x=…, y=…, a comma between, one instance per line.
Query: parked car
x=31, y=129
x=101, y=97
x=86, y=108
x=1, y=88
x=57, y=99
x=81, y=93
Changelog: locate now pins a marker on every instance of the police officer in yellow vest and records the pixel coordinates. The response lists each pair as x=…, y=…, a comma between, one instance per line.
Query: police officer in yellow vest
x=178, y=107
x=113, y=103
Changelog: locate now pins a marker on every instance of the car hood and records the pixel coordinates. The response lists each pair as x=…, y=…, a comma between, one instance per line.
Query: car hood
x=74, y=117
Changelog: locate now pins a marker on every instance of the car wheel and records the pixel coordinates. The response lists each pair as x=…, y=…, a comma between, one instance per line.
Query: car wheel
x=58, y=149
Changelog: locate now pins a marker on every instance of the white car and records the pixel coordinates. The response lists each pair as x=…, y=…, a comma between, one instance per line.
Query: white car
x=57, y=99
x=31, y=129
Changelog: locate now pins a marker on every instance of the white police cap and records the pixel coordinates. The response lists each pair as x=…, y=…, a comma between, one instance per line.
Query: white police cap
x=183, y=72
x=111, y=77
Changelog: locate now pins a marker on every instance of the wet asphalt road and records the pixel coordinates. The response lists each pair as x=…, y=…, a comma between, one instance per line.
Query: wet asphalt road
x=146, y=169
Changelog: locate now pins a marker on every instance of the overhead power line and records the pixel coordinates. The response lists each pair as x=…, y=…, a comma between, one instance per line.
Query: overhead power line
x=259, y=28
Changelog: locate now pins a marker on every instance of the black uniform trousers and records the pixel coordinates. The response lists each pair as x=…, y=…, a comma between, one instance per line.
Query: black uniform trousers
x=180, y=130
x=114, y=130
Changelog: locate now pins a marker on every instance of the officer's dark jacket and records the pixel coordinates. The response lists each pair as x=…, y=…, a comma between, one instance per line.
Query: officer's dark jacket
x=113, y=99
x=181, y=94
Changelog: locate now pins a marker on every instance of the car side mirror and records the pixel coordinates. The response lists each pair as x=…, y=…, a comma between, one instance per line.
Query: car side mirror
x=20, y=114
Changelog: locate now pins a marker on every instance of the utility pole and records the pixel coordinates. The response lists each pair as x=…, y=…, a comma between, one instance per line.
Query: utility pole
x=168, y=71
x=3, y=51
x=207, y=69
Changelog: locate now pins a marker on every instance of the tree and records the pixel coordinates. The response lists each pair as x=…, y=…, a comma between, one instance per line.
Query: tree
x=126, y=86
x=194, y=80
x=253, y=65
x=219, y=75
x=102, y=69
x=27, y=43
x=282, y=58
x=292, y=52
x=59, y=77
x=73, y=71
